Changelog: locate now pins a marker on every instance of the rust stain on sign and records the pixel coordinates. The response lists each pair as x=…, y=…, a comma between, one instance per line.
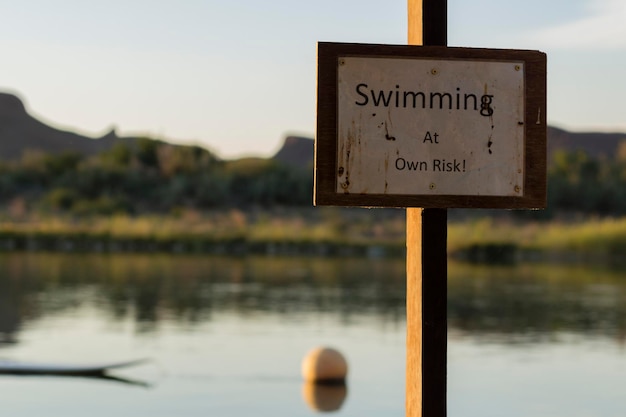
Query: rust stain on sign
x=386, y=171
x=348, y=148
x=387, y=135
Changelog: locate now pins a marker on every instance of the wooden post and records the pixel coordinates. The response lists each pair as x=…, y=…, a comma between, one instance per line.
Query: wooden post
x=341, y=178
x=427, y=270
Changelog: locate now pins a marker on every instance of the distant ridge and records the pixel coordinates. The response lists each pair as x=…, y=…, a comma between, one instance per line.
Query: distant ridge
x=299, y=150
x=20, y=132
x=296, y=151
x=592, y=143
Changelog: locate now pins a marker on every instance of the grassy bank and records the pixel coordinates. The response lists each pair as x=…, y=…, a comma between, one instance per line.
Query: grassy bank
x=320, y=232
x=324, y=232
x=588, y=240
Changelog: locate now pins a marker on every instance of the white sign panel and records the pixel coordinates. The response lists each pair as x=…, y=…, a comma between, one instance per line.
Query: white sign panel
x=430, y=127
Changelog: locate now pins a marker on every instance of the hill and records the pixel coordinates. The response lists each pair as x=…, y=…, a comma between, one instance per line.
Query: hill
x=299, y=151
x=592, y=143
x=296, y=151
x=19, y=132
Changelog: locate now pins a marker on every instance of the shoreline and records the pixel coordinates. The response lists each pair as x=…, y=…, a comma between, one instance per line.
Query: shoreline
x=483, y=240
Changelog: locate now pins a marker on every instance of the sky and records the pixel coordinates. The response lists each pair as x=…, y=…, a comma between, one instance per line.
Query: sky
x=238, y=76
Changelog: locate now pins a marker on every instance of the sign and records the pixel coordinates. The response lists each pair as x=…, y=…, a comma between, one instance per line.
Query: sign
x=431, y=127
x=410, y=126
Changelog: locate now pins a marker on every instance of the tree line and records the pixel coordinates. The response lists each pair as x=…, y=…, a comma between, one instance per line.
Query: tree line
x=149, y=176
x=582, y=184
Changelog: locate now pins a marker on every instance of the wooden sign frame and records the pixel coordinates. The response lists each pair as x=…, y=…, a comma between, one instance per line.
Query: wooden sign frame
x=534, y=125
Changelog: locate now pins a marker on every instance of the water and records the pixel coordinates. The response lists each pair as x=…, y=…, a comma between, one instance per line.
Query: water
x=226, y=335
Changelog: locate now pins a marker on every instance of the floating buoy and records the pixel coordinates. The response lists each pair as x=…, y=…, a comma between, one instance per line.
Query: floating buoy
x=324, y=365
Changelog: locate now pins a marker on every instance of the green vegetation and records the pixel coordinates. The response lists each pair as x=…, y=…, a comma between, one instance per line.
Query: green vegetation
x=578, y=183
x=148, y=177
x=602, y=240
x=325, y=231
x=152, y=177
x=153, y=196
x=318, y=231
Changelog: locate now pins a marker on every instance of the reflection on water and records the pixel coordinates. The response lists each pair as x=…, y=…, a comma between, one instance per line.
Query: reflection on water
x=534, y=302
x=524, y=339
x=190, y=289
x=514, y=302
x=323, y=397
